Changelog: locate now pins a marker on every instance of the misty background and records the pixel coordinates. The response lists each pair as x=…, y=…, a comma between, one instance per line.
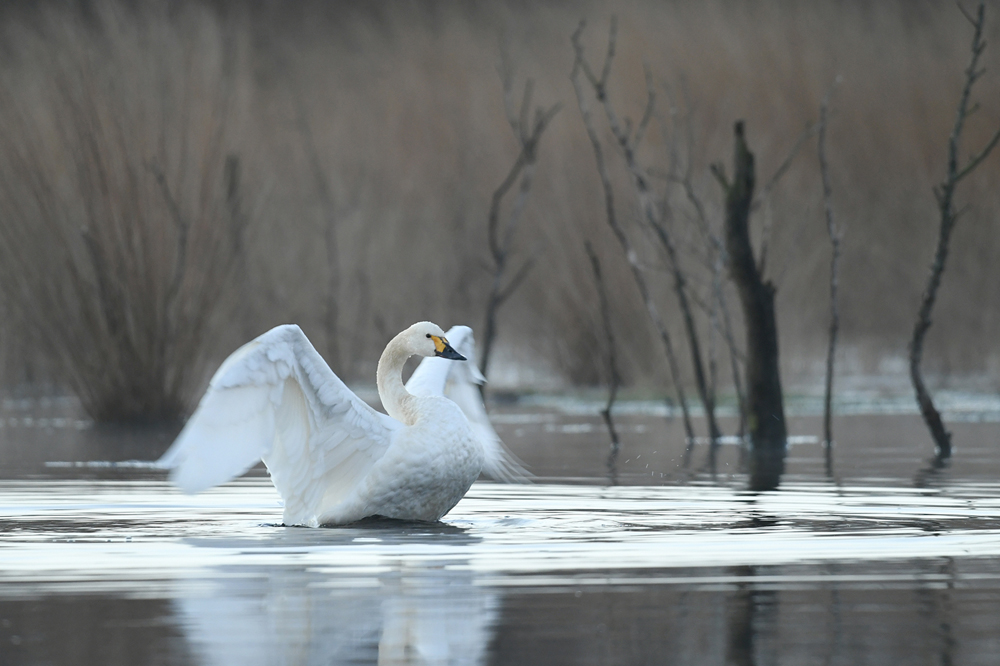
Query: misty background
x=177, y=178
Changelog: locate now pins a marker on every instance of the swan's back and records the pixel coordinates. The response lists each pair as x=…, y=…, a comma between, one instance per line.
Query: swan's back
x=427, y=470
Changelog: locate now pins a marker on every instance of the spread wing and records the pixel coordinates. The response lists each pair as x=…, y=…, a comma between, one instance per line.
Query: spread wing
x=460, y=381
x=276, y=399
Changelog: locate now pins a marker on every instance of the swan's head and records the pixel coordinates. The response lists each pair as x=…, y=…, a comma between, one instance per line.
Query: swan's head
x=427, y=339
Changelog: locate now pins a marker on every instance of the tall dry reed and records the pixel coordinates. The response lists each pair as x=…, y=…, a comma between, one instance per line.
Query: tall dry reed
x=406, y=120
x=118, y=236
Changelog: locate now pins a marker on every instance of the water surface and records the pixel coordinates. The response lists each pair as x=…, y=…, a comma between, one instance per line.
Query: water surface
x=886, y=560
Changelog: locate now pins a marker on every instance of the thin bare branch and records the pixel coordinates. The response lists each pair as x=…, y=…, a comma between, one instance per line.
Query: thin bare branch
x=976, y=159
x=580, y=66
x=516, y=280
x=614, y=377
x=969, y=17
x=640, y=131
x=493, y=218
x=529, y=136
x=835, y=235
x=764, y=197
x=719, y=171
x=580, y=63
x=523, y=123
x=610, y=55
x=653, y=213
x=506, y=71
x=782, y=169
x=182, y=225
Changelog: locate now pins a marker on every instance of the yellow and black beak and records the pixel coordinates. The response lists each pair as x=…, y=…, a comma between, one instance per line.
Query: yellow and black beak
x=444, y=350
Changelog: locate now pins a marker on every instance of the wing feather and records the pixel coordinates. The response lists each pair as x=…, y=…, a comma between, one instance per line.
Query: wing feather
x=276, y=399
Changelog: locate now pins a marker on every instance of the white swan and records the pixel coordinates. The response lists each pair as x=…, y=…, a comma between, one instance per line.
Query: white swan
x=332, y=458
x=460, y=382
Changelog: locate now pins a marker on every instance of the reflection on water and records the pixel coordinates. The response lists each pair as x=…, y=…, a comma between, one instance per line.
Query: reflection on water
x=890, y=560
x=545, y=574
x=422, y=612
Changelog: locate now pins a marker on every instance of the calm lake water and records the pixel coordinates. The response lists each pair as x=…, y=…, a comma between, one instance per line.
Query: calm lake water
x=887, y=560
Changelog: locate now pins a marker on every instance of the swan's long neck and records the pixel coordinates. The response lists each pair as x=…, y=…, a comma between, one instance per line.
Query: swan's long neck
x=398, y=402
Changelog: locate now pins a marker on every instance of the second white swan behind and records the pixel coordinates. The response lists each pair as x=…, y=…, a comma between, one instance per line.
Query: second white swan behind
x=332, y=458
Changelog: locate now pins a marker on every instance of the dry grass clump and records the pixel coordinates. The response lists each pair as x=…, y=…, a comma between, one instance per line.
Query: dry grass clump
x=118, y=234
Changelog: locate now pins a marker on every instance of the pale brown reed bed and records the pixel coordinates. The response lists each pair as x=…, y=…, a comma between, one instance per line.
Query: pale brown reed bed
x=399, y=108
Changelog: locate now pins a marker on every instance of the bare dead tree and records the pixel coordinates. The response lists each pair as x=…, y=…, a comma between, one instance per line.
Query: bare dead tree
x=717, y=258
x=623, y=240
x=628, y=142
x=945, y=193
x=614, y=376
x=768, y=432
x=835, y=234
x=718, y=310
x=528, y=132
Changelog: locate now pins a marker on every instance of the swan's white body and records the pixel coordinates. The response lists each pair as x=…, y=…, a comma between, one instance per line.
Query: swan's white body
x=332, y=458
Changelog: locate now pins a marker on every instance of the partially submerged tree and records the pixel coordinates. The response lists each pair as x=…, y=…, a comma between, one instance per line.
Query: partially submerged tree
x=715, y=305
x=765, y=405
x=623, y=240
x=528, y=131
x=652, y=213
x=945, y=194
x=835, y=234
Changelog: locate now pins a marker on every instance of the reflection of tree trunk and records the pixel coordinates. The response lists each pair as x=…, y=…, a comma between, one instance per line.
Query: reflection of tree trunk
x=739, y=621
x=768, y=433
x=937, y=605
x=751, y=622
x=835, y=643
x=739, y=627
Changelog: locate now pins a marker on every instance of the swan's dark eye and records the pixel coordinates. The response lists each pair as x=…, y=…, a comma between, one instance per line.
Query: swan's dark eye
x=428, y=335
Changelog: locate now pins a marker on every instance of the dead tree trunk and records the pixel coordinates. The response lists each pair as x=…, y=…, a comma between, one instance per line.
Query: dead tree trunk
x=945, y=193
x=768, y=433
x=834, y=234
